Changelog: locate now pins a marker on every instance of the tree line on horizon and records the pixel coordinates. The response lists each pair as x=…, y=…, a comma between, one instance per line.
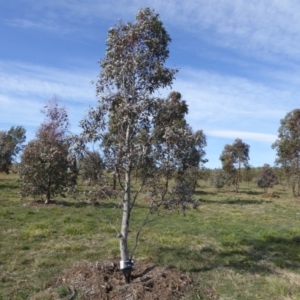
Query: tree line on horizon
x=90, y=165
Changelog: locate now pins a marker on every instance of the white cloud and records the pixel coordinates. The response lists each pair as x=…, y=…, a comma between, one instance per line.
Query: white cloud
x=234, y=101
x=29, y=24
x=19, y=111
x=25, y=88
x=268, y=28
x=253, y=136
x=43, y=82
x=260, y=28
x=215, y=101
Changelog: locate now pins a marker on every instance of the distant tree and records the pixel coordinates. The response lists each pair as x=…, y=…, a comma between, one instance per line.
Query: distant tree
x=190, y=153
x=191, y=176
x=266, y=178
x=233, y=158
x=124, y=122
x=288, y=148
x=218, y=178
x=228, y=167
x=281, y=175
x=178, y=148
x=47, y=167
x=205, y=174
x=181, y=195
x=91, y=167
x=248, y=174
x=11, y=144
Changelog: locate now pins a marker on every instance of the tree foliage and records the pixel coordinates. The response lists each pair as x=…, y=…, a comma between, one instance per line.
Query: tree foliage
x=233, y=158
x=248, y=173
x=47, y=167
x=11, y=144
x=287, y=147
x=129, y=122
x=218, y=178
x=91, y=167
x=178, y=149
x=266, y=178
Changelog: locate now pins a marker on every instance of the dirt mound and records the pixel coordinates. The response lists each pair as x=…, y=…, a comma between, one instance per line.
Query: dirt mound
x=105, y=281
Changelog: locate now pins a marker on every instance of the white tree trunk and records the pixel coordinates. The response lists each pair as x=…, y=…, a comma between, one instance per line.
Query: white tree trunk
x=125, y=219
x=126, y=210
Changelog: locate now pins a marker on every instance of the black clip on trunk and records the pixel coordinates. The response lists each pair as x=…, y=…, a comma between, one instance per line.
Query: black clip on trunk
x=126, y=266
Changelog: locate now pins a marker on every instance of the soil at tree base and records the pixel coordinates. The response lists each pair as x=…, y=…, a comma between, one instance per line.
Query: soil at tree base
x=103, y=280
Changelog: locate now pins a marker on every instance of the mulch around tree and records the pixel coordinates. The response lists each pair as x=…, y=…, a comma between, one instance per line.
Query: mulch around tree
x=103, y=280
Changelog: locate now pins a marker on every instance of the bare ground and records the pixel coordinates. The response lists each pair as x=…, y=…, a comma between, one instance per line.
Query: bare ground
x=103, y=280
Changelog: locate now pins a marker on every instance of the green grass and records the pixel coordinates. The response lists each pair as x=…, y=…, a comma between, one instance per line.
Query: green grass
x=235, y=246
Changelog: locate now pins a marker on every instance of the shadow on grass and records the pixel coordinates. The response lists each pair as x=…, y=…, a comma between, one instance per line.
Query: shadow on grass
x=199, y=193
x=236, y=201
x=261, y=257
x=73, y=204
x=253, y=193
x=9, y=186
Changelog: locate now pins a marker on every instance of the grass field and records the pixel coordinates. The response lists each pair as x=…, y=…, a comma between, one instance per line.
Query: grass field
x=235, y=246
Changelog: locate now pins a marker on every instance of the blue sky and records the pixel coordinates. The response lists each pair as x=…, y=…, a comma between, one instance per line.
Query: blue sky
x=239, y=63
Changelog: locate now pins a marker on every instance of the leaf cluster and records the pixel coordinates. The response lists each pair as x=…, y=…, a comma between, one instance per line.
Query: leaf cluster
x=11, y=144
x=233, y=158
x=267, y=177
x=287, y=147
x=47, y=167
x=288, y=143
x=91, y=167
x=218, y=178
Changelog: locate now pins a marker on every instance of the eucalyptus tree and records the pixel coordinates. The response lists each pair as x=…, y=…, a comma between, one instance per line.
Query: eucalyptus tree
x=218, y=178
x=125, y=120
x=180, y=149
x=227, y=159
x=233, y=158
x=91, y=167
x=169, y=125
x=47, y=167
x=11, y=144
x=288, y=148
x=248, y=173
x=267, y=177
x=190, y=153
